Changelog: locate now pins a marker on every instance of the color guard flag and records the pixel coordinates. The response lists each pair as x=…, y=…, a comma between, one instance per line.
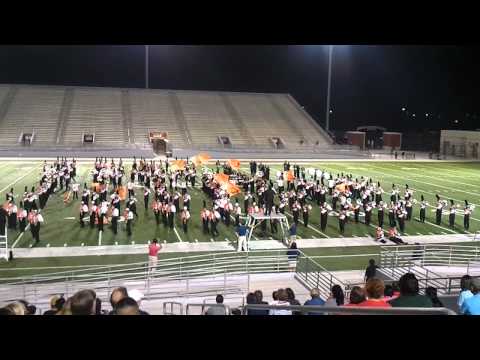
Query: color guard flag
x=288, y=175
x=341, y=187
x=232, y=189
x=234, y=164
x=201, y=159
x=178, y=165
x=96, y=187
x=221, y=178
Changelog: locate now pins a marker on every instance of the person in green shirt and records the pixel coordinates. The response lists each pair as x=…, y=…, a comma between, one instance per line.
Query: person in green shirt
x=409, y=296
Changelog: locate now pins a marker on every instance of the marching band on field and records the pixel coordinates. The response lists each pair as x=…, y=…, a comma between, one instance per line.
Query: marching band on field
x=166, y=194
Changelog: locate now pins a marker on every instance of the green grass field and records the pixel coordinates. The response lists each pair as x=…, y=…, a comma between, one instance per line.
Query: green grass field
x=457, y=181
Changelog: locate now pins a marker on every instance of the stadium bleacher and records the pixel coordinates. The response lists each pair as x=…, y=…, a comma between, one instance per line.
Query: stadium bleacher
x=61, y=115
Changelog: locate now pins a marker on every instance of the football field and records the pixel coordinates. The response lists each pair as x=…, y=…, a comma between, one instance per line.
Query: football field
x=458, y=181
x=450, y=180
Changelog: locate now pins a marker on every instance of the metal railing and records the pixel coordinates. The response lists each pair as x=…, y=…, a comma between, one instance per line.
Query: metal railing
x=313, y=275
x=341, y=310
x=227, y=272
x=398, y=260
x=431, y=255
x=204, y=308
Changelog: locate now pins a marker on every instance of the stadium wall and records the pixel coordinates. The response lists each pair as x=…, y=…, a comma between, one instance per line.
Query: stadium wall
x=460, y=143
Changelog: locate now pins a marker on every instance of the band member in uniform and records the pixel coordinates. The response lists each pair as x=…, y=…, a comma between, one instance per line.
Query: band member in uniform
x=356, y=212
x=381, y=213
x=205, y=215
x=186, y=200
x=35, y=219
x=323, y=216
x=171, y=215
x=238, y=211
x=466, y=217
x=368, y=214
x=296, y=211
x=156, y=211
x=438, y=211
x=246, y=201
x=341, y=221
x=115, y=216
x=451, y=217
x=401, y=219
x=133, y=206
x=185, y=216
x=83, y=212
x=22, y=218
x=394, y=194
x=214, y=219
x=391, y=215
x=128, y=215
x=146, y=194
x=165, y=210
x=423, y=206
x=306, y=211
x=75, y=188
x=101, y=217
x=378, y=194
x=93, y=215
x=131, y=192
x=408, y=209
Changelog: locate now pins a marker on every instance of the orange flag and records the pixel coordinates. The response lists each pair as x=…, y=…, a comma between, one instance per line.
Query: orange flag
x=178, y=165
x=221, y=178
x=288, y=175
x=341, y=187
x=232, y=189
x=96, y=187
x=201, y=159
x=234, y=164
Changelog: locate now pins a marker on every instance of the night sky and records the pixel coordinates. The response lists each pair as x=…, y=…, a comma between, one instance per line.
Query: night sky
x=370, y=84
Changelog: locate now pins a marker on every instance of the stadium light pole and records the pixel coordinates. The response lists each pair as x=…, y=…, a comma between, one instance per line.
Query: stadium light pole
x=330, y=55
x=146, y=66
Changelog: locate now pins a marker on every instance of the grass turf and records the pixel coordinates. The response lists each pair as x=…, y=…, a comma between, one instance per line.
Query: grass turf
x=457, y=181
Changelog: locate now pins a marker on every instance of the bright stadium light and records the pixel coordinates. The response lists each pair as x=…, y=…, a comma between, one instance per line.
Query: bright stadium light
x=413, y=115
x=331, y=111
x=404, y=109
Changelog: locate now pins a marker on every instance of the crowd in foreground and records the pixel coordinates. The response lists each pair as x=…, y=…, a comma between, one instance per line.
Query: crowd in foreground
x=374, y=294
x=84, y=302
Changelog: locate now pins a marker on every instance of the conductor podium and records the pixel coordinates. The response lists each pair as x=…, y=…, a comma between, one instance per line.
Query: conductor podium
x=280, y=220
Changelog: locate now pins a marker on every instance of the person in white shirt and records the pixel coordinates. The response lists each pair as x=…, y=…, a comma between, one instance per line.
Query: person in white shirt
x=75, y=188
x=171, y=215
x=281, y=300
x=115, y=215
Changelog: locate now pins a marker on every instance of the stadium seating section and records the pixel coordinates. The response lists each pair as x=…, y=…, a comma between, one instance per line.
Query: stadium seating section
x=60, y=116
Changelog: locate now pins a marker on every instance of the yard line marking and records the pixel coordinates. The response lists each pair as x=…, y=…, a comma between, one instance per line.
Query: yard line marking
x=406, y=234
x=440, y=227
x=176, y=233
x=100, y=238
x=310, y=226
x=423, y=182
x=431, y=233
x=418, y=189
x=444, y=233
x=443, y=179
x=419, y=233
x=20, y=178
